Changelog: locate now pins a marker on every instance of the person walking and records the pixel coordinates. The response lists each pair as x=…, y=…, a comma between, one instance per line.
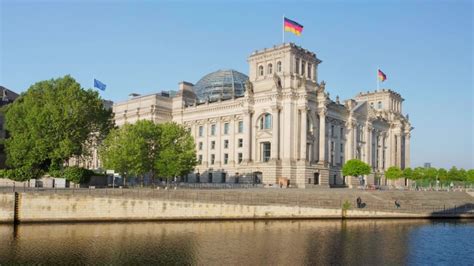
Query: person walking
x=397, y=204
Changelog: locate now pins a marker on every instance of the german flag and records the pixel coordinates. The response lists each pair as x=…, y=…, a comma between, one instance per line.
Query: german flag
x=381, y=75
x=292, y=26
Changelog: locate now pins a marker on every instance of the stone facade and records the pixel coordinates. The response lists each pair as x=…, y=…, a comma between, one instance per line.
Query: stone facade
x=284, y=125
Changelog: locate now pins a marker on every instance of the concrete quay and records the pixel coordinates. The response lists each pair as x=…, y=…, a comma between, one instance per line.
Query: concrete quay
x=148, y=204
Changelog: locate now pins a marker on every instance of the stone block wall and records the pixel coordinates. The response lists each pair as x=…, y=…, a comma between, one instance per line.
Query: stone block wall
x=7, y=207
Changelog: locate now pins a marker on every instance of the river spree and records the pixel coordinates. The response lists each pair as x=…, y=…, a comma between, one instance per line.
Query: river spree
x=354, y=242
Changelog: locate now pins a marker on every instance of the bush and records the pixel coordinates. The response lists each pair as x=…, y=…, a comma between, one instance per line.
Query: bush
x=77, y=175
x=21, y=174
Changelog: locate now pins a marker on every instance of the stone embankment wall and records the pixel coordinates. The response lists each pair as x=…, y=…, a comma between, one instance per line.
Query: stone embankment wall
x=7, y=207
x=37, y=207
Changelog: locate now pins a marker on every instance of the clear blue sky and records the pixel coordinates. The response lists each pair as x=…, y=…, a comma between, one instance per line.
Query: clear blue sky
x=424, y=47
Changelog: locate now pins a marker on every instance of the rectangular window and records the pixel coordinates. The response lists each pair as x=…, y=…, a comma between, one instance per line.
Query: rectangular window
x=239, y=157
x=341, y=132
x=266, y=150
x=213, y=157
x=226, y=143
x=226, y=158
x=241, y=143
x=213, y=130
x=226, y=128
x=201, y=131
x=342, y=160
x=332, y=131
x=303, y=66
x=342, y=147
x=200, y=145
x=213, y=145
x=309, y=70
x=241, y=126
x=200, y=159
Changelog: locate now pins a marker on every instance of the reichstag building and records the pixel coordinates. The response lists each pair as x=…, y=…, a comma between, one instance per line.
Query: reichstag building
x=279, y=122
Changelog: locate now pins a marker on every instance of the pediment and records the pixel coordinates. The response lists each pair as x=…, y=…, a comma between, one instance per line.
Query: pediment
x=262, y=134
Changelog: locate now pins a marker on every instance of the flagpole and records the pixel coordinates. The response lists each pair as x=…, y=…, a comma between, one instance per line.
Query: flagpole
x=283, y=29
x=377, y=78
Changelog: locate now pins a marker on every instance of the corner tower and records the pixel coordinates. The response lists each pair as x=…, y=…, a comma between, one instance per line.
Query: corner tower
x=284, y=62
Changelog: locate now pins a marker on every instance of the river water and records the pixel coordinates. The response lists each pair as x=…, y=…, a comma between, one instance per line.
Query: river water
x=353, y=242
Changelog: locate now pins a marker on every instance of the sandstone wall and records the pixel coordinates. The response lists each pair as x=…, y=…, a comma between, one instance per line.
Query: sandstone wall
x=7, y=207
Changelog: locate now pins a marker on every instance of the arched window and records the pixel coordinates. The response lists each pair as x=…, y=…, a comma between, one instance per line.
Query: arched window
x=279, y=66
x=260, y=70
x=269, y=68
x=379, y=105
x=266, y=121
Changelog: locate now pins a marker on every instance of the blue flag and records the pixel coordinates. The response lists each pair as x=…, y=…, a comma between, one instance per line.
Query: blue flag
x=99, y=85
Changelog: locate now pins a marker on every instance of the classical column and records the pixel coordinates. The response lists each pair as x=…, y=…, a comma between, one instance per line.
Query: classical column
x=407, y=149
x=322, y=136
x=399, y=150
x=303, y=133
x=275, y=148
x=350, y=146
x=232, y=153
x=247, y=136
x=218, y=152
x=314, y=147
x=205, y=154
x=368, y=143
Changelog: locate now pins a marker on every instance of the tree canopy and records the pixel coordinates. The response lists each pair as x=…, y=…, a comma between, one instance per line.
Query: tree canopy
x=53, y=121
x=393, y=173
x=131, y=150
x=177, y=155
x=164, y=150
x=355, y=167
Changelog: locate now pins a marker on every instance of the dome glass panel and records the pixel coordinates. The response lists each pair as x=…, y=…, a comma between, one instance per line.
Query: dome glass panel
x=220, y=85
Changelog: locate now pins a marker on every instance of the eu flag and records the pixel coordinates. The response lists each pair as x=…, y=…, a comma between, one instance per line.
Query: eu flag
x=99, y=85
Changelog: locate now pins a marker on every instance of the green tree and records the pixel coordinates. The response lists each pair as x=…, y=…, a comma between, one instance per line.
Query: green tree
x=132, y=150
x=453, y=174
x=462, y=175
x=442, y=175
x=430, y=174
x=177, y=154
x=418, y=173
x=470, y=175
x=53, y=121
x=393, y=173
x=355, y=167
x=408, y=173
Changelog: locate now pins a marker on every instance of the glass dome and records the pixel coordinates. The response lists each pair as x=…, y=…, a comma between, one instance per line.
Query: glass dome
x=222, y=84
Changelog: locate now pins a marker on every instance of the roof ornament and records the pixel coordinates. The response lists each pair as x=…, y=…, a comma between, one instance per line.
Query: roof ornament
x=321, y=86
x=248, y=87
x=277, y=81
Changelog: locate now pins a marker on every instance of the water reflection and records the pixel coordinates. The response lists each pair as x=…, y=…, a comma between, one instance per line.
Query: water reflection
x=254, y=243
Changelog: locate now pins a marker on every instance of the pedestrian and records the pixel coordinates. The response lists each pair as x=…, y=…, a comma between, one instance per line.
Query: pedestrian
x=359, y=202
x=397, y=204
